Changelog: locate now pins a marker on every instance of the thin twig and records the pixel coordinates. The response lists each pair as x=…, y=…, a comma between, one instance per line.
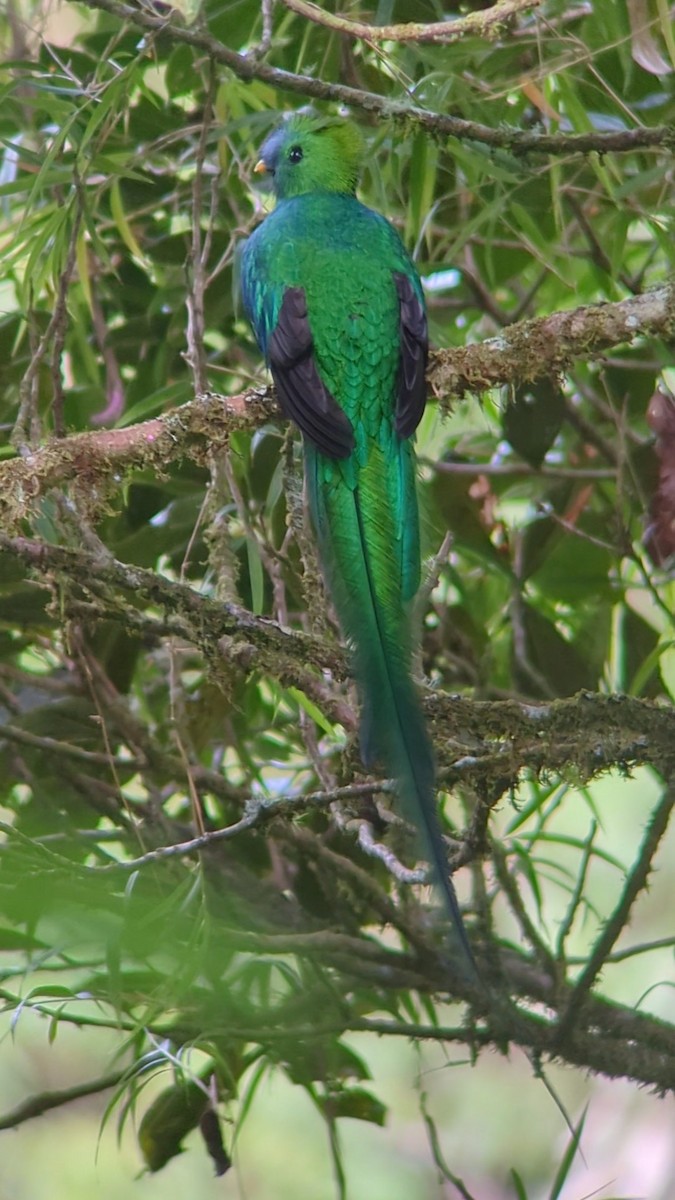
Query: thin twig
x=256, y=813
x=577, y=894
x=36, y=1106
x=53, y=747
x=437, y=1152
x=385, y=855
x=510, y=888
x=582, y=474
x=613, y=928
x=195, y=354
x=60, y=318
x=261, y=48
x=55, y=331
x=269, y=560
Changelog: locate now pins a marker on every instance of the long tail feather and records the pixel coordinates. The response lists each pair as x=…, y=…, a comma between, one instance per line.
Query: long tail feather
x=365, y=555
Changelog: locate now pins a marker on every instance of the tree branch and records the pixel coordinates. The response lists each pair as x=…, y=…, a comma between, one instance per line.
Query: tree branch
x=522, y=353
x=35, y=1106
x=200, y=620
x=546, y=346
x=480, y=743
x=92, y=460
x=487, y=24
x=256, y=813
x=435, y=123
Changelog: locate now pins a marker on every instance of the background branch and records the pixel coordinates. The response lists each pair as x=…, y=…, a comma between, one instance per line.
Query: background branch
x=439, y=125
x=37, y=1106
x=487, y=23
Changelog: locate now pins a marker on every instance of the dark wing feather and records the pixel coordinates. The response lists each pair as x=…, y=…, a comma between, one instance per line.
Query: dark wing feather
x=303, y=396
x=411, y=388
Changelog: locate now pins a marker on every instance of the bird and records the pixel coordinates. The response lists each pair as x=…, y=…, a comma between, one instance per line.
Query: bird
x=337, y=309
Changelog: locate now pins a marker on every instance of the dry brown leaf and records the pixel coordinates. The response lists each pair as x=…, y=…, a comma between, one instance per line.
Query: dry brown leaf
x=644, y=50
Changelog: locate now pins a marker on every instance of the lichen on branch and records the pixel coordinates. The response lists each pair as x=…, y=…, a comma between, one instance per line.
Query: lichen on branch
x=543, y=347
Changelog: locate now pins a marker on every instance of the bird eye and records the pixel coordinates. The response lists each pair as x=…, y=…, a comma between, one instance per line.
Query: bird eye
x=295, y=154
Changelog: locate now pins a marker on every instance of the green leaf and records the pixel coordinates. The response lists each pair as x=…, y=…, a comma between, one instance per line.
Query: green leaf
x=311, y=709
x=256, y=577
x=357, y=1104
x=119, y=216
x=573, y=1148
x=532, y=420
x=521, y=1193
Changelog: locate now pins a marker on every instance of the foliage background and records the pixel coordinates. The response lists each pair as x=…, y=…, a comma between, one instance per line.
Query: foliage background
x=139, y=709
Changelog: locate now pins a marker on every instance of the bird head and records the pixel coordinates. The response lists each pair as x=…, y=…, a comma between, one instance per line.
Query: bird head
x=308, y=153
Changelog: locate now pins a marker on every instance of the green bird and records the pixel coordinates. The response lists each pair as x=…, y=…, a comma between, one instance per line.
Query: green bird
x=337, y=309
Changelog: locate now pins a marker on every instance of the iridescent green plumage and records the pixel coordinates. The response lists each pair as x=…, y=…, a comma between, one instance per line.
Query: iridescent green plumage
x=338, y=310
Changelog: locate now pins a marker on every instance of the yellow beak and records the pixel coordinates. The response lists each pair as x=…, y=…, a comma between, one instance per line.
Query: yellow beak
x=259, y=168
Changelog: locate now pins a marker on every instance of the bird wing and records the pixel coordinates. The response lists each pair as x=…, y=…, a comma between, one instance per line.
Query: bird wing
x=303, y=395
x=411, y=388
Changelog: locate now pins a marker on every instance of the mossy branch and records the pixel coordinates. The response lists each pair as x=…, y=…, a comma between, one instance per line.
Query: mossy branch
x=523, y=353
x=487, y=24
x=478, y=741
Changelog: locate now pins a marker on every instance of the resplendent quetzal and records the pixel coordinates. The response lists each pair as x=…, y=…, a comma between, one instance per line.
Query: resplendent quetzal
x=338, y=311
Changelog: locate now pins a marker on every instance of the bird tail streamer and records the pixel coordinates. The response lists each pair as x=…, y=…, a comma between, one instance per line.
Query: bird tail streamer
x=362, y=540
